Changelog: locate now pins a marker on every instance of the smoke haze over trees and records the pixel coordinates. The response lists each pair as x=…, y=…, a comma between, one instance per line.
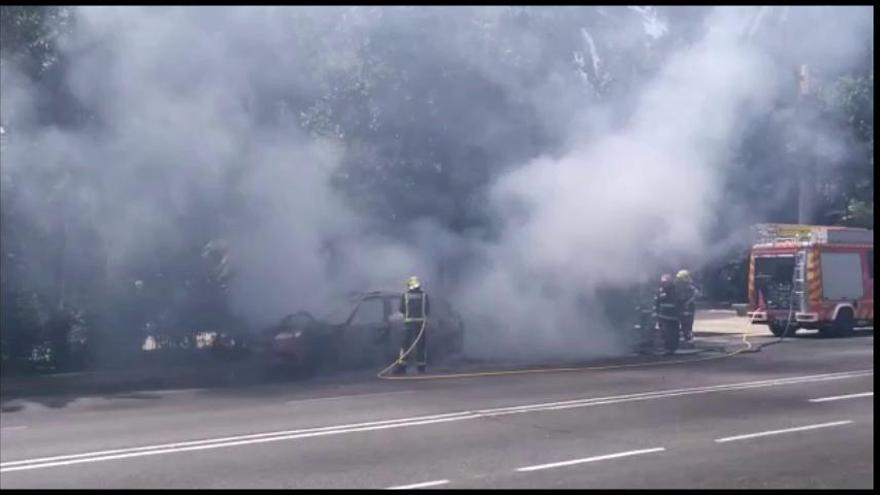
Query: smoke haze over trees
x=173, y=169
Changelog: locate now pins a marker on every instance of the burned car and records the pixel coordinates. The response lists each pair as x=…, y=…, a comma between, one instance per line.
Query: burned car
x=366, y=331
x=631, y=310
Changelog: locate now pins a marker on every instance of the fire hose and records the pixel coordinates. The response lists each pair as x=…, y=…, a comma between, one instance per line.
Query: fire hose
x=747, y=347
x=788, y=325
x=402, y=358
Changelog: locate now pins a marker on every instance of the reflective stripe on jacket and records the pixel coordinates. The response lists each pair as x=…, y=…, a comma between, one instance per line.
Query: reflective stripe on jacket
x=414, y=305
x=688, y=293
x=666, y=304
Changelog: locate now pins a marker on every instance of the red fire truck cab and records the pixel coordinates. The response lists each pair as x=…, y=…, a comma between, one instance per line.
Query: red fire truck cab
x=809, y=276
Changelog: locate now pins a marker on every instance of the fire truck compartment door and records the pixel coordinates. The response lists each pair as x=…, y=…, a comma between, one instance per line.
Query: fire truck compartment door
x=842, y=276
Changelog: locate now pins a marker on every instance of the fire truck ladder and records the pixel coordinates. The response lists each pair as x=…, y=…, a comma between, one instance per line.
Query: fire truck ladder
x=799, y=280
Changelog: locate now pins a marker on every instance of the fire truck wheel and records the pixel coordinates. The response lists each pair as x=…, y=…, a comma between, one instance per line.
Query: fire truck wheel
x=844, y=323
x=779, y=328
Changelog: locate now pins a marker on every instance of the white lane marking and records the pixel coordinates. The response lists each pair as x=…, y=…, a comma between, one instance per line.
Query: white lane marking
x=842, y=397
x=173, y=391
x=123, y=453
x=589, y=459
x=779, y=432
x=671, y=393
x=6, y=428
x=222, y=440
x=419, y=485
x=217, y=446
x=351, y=396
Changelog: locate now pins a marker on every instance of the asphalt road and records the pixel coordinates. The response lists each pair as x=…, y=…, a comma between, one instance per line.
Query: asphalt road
x=798, y=414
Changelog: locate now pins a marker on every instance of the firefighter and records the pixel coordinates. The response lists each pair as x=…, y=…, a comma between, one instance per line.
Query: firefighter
x=416, y=307
x=644, y=315
x=688, y=293
x=648, y=316
x=667, y=307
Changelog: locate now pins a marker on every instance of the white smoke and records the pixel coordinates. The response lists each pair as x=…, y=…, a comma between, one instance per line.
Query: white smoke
x=620, y=182
x=589, y=219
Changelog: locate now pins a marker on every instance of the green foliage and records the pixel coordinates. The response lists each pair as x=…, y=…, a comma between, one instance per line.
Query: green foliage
x=60, y=306
x=29, y=34
x=425, y=130
x=851, y=101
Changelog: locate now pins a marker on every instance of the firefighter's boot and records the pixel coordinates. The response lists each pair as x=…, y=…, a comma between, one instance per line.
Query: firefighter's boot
x=670, y=333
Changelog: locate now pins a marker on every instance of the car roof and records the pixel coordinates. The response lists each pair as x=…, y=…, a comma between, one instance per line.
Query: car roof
x=379, y=294
x=376, y=294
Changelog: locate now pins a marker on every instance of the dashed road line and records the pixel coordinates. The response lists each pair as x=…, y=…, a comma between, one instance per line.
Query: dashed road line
x=419, y=485
x=780, y=432
x=589, y=459
x=258, y=438
x=842, y=397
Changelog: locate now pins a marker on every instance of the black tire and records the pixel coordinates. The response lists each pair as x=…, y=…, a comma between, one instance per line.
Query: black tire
x=778, y=329
x=826, y=331
x=844, y=324
x=309, y=367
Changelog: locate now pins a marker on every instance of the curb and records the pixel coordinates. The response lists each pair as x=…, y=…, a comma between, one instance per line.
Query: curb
x=119, y=382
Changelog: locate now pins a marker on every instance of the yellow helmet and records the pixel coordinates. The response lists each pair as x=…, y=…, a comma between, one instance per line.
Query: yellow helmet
x=413, y=283
x=683, y=275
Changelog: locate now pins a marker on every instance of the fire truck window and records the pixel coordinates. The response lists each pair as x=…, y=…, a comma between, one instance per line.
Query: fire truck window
x=369, y=312
x=778, y=270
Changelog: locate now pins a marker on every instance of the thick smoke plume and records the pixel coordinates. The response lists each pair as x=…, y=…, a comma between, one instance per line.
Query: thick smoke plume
x=593, y=217
x=280, y=131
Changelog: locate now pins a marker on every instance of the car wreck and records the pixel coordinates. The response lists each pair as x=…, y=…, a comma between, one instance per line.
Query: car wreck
x=365, y=331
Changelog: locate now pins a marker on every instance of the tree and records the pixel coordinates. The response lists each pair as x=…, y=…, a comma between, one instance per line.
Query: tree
x=852, y=98
x=29, y=35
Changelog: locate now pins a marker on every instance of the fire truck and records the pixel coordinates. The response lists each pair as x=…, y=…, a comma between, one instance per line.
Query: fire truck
x=811, y=276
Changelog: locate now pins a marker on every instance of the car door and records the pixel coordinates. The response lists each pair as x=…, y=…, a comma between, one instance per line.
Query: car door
x=445, y=327
x=365, y=339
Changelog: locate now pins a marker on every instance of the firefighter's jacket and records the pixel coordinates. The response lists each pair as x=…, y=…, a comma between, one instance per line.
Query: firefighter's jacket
x=414, y=305
x=667, y=304
x=687, y=293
